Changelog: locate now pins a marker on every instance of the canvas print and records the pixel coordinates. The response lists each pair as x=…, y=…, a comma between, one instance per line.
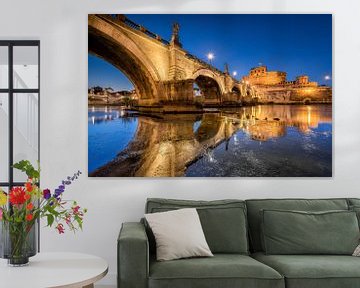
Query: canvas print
x=210, y=95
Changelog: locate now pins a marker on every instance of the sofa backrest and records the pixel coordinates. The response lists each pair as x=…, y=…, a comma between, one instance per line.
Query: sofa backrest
x=223, y=221
x=256, y=205
x=353, y=202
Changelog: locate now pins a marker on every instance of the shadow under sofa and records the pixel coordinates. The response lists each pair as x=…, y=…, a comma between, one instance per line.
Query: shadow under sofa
x=232, y=229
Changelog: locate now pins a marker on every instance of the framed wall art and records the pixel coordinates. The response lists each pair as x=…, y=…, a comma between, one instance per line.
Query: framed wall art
x=210, y=95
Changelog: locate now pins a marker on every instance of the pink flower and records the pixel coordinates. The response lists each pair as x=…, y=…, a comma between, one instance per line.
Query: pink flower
x=76, y=210
x=1, y=214
x=60, y=228
x=68, y=219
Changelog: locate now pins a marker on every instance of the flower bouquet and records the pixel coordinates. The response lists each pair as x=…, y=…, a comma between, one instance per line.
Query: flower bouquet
x=21, y=208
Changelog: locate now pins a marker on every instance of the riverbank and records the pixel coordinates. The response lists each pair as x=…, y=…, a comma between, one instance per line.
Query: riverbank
x=195, y=109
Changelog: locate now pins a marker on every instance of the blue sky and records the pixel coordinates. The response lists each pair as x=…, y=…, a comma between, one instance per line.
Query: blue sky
x=294, y=43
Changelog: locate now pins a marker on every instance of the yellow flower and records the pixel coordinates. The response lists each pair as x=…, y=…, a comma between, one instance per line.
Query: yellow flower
x=3, y=198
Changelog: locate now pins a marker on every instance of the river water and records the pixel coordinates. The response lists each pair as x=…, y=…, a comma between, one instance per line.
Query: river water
x=257, y=141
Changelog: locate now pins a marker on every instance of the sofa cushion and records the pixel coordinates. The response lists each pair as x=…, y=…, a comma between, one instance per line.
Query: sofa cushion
x=314, y=271
x=223, y=221
x=255, y=206
x=354, y=205
x=356, y=209
x=222, y=270
x=353, y=201
x=297, y=232
x=178, y=234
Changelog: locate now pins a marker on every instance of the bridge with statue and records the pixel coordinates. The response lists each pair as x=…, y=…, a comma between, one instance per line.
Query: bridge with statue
x=162, y=72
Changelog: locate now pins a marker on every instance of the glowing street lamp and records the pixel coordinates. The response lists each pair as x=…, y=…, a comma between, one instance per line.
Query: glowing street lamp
x=327, y=77
x=210, y=57
x=234, y=73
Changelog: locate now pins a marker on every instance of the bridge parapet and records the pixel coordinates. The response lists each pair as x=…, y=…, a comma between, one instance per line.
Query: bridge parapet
x=203, y=63
x=120, y=18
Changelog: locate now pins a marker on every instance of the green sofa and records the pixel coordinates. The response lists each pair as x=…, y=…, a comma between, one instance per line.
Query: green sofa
x=233, y=230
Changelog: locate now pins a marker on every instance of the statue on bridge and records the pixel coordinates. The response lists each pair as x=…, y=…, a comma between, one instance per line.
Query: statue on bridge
x=176, y=28
x=175, y=35
x=226, y=69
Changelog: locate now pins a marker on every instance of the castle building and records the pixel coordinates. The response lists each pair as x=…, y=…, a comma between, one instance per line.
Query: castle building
x=274, y=87
x=261, y=76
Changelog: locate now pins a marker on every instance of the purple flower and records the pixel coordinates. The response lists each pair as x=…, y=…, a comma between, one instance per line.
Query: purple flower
x=57, y=193
x=64, y=183
x=46, y=194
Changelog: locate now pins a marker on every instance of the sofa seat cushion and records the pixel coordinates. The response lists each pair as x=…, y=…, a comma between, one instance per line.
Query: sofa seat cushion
x=314, y=271
x=222, y=270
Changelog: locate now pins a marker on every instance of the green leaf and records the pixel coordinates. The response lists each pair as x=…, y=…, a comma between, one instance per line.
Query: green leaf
x=79, y=221
x=26, y=167
x=50, y=219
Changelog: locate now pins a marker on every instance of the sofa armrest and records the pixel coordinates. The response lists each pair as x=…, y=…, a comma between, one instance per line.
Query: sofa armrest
x=133, y=256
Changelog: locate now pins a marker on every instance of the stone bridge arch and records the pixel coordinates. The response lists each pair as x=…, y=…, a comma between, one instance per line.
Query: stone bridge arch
x=307, y=100
x=162, y=72
x=236, y=89
x=210, y=74
x=111, y=44
x=210, y=84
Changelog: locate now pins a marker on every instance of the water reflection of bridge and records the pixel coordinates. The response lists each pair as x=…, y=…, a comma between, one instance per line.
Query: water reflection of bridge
x=166, y=146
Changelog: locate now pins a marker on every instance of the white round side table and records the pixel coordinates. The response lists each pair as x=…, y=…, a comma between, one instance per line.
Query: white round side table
x=50, y=270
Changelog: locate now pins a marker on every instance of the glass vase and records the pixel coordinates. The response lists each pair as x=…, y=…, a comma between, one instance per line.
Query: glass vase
x=18, y=242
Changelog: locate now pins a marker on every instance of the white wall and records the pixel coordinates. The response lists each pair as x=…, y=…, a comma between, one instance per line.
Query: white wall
x=62, y=28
